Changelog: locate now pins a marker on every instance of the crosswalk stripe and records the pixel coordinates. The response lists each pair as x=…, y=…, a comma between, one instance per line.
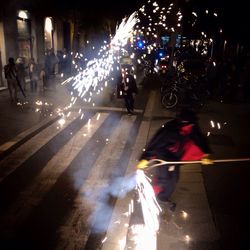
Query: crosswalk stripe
x=21, y=138
x=118, y=226
x=93, y=175
x=59, y=200
x=105, y=108
x=34, y=193
x=25, y=151
x=92, y=189
x=117, y=233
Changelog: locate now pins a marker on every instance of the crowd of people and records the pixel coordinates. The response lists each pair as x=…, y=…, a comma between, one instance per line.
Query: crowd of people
x=18, y=72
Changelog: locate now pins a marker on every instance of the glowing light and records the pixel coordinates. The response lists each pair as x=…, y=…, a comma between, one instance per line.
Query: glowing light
x=184, y=214
x=39, y=103
x=144, y=234
x=104, y=239
x=212, y=124
x=48, y=24
x=187, y=238
x=61, y=122
x=23, y=14
x=194, y=13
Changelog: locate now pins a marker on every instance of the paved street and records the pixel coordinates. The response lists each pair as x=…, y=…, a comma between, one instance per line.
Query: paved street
x=56, y=179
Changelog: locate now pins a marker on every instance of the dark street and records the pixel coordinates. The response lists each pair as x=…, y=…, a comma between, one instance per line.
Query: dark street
x=83, y=90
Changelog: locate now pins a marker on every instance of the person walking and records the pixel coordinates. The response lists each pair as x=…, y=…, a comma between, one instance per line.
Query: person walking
x=33, y=75
x=10, y=72
x=179, y=139
x=50, y=63
x=129, y=88
x=20, y=66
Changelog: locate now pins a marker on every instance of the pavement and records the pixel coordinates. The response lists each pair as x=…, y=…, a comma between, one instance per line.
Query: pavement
x=191, y=226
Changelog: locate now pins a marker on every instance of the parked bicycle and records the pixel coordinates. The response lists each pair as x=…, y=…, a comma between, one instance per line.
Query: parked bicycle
x=185, y=90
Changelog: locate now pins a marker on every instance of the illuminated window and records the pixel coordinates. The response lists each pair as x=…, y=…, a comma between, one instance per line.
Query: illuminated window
x=23, y=14
x=48, y=32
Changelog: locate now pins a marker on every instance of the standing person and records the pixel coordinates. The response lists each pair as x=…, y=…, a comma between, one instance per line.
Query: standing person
x=50, y=63
x=20, y=66
x=211, y=76
x=129, y=89
x=33, y=74
x=66, y=63
x=10, y=72
x=179, y=139
x=44, y=78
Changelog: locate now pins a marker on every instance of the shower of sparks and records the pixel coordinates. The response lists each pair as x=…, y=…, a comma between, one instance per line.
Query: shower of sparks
x=94, y=75
x=145, y=234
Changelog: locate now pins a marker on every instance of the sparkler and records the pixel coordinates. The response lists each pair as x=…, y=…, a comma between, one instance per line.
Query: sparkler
x=98, y=69
x=144, y=23
x=157, y=162
x=143, y=235
x=150, y=207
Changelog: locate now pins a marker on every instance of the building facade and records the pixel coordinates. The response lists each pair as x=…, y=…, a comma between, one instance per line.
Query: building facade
x=28, y=34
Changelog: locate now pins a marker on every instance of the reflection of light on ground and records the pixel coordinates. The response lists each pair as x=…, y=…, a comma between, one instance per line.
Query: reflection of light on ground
x=184, y=214
x=187, y=239
x=61, y=121
x=39, y=102
x=143, y=237
x=122, y=243
x=89, y=124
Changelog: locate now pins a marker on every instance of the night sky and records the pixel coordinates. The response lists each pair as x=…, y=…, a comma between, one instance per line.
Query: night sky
x=233, y=15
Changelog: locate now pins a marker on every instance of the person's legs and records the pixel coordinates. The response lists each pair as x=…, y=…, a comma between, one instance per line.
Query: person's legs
x=127, y=104
x=10, y=90
x=31, y=85
x=130, y=103
x=167, y=181
x=35, y=85
x=15, y=89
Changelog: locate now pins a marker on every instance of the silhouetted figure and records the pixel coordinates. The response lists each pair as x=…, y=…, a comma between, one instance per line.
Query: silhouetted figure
x=129, y=88
x=179, y=139
x=21, y=73
x=10, y=72
x=33, y=74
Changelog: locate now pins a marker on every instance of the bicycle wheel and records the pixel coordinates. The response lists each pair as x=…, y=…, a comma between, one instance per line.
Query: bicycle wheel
x=169, y=100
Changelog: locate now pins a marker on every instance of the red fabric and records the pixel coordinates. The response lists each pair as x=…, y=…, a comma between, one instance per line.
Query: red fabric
x=191, y=152
x=185, y=130
x=156, y=187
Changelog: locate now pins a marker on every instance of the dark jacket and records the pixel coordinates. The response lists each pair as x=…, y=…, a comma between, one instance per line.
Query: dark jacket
x=177, y=141
x=129, y=85
x=10, y=71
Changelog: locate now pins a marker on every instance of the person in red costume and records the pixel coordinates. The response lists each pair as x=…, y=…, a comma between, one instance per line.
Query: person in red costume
x=179, y=139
